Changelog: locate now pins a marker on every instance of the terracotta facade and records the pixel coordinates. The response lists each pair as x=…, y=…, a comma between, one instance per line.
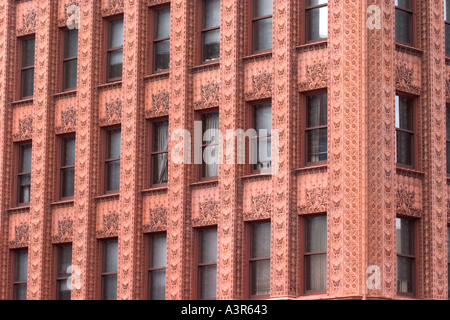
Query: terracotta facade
x=361, y=189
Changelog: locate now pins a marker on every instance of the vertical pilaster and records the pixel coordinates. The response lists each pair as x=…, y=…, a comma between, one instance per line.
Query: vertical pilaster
x=130, y=276
x=39, y=252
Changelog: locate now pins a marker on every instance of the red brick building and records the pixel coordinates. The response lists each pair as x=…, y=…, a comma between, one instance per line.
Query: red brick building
x=92, y=94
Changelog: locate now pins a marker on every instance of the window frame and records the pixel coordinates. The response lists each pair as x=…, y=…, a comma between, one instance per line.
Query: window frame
x=14, y=283
x=105, y=160
x=413, y=23
x=102, y=274
x=148, y=268
x=307, y=27
x=56, y=256
x=18, y=174
x=61, y=168
x=252, y=19
x=251, y=124
x=415, y=277
x=414, y=152
x=21, y=68
x=153, y=39
x=202, y=31
x=198, y=265
x=152, y=153
x=63, y=60
x=108, y=50
x=200, y=167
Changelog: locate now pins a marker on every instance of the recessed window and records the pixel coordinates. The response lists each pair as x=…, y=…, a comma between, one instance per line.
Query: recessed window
x=70, y=59
x=259, y=262
x=316, y=12
x=316, y=128
x=315, y=256
x=67, y=167
x=447, y=26
x=112, y=160
x=24, y=175
x=157, y=267
x=406, y=257
x=260, y=153
x=161, y=39
x=447, y=125
x=448, y=259
x=404, y=123
x=63, y=262
x=262, y=11
x=210, y=146
x=20, y=274
x=115, y=50
x=404, y=15
x=109, y=269
x=207, y=263
x=27, y=68
x=210, y=31
x=160, y=152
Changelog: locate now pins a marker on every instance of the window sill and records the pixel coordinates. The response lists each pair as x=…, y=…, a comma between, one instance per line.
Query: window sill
x=410, y=172
x=408, y=49
x=65, y=94
x=157, y=75
x=108, y=197
x=263, y=55
x=63, y=203
x=110, y=85
x=205, y=66
x=27, y=101
x=17, y=210
x=311, y=46
x=319, y=167
x=204, y=183
x=155, y=190
x=257, y=175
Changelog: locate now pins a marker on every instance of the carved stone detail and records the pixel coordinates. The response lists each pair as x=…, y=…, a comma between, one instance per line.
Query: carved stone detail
x=262, y=86
x=113, y=113
x=25, y=129
x=210, y=96
x=261, y=208
x=208, y=213
x=114, y=7
x=404, y=79
x=21, y=236
x=68, y=121
x=316, y=201
x=110, y=226
x=160, y=105
x=65, y=230
x=28, y=23
x=158, y=220
x=405, y=203
x=316, y=77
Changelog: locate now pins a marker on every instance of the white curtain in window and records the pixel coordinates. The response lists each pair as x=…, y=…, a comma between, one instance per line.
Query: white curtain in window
x=211, y=153
x=163, y=145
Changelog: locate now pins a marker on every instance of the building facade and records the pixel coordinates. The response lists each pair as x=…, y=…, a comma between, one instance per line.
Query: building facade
x=93, y=96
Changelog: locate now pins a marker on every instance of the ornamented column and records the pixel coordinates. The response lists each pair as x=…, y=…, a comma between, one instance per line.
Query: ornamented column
x=283, y=217
x=433, y=110
x=7, y=54
x=130, y=276
x=87, y=148
x=380, y=241
x=39, y=251
x=346, y=123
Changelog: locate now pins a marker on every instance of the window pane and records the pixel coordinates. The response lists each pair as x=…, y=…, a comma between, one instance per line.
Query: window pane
x=20, y=291
x=24, y=188
x=68, y=154
x=109, y=287
x=448, y=157
x=116, y=33
x=25, y=158
x=115, y=63
x=158, y=251
x=208, y=245
x=262, y=34
x=316, y=110
x=160, y=168
x=70, y=43
x=260, y=240
x=162, y=55
x=158, y=285
x=311, y=3
x=316, y=234
x=447, y=39
x=447, y=10
x=162, y=20
x=70, y=74
x=406, y=4
x=405, y=236
x=211, y=45
x=316, y=272
x=447, y=115
x=27, y=83
x=404, y=113
x=20, y=265
x=405, y=275
x=210, y=167
x=262, y=8
x=161, y=136
x=110, y=255
x=113, y=175
x=448, y=245
x=211, y=13
x=207, y=282
x=114, y=144
x=28, y=47
x=317, y=23
x=64, y=260
x=260, y=278
x=405, y=148
x=317, y=145
x=264, y=154
x=403, y=26
x=263, y=119
x=67, y=182
x=63, y=291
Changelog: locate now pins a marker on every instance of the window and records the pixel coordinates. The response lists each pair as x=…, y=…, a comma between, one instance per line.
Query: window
x=261, y=144
x=316, y=128
x=316, y=12
x=20, y=274
x=261, y=25
x=112, y=160
x=448, y=259
x=315, y=256
x=210, y=30
x=67, y=167
x=210, y=146
x=447, y=26
x=115, y=50
x=161, y=39
x=207, y=263
x=404, y=123
x=447, y=115
x=27, y=68
x=70, y=59
x=24, y=175
x=63, y=262
x=109, y=269
x=259, y=262
x=404, y=15
x=405, y=256
x=160, y=153
x=157, y=267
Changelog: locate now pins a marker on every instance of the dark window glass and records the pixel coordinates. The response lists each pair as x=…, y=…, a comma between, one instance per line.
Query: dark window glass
x=261, y=145
x=64, y=261
x=404, y=122
x=112, y=160
x=260, y=259
x=70, y=59
x=20, y=274
x=448, y=259
x=316, y=19
x=210, y=30
x=207, y=263
x=262, y=24
x=27, y=68
x=448, y=138
x=316, y=253
x=404, y=21
x=161, y=40
x=160, y=152
x=109, y=269
x=447, y=26
x=210, y=146
x=157, y=267
x=316, y=128
x=405, y=256
x=115, y=49
x=67, y=169
x=24, y=174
